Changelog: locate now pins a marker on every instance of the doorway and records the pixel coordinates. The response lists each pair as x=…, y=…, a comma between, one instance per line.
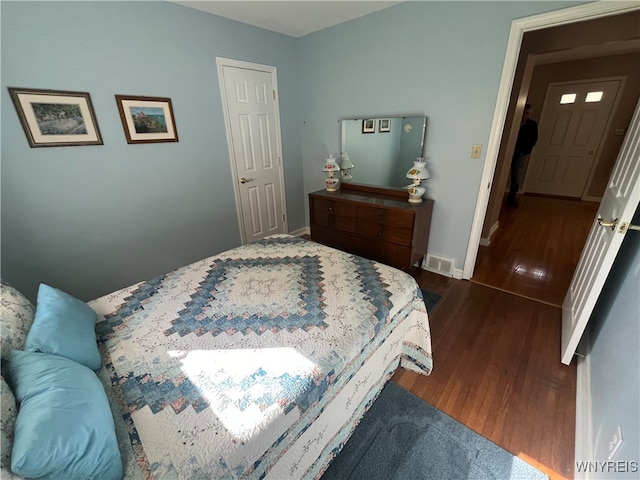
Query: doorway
x=555, y=44
x=536, y=248
x=252, y=122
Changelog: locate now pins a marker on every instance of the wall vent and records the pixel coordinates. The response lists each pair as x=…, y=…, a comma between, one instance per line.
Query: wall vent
x=439, y=264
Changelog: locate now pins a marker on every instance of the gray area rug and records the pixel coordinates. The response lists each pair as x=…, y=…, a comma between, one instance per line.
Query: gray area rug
x=430, y=299
x=403, y=437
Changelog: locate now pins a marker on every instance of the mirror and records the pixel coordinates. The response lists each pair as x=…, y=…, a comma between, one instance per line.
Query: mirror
x=383, y=149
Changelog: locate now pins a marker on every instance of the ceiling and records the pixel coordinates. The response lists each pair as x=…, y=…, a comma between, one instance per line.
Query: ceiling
x=293, y=18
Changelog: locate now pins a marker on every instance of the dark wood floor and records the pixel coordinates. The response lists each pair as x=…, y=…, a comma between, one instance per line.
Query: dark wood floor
x=535, y=250
x=496, y=352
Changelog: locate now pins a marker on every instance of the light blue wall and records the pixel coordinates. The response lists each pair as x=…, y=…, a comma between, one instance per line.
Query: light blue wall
x=92, y=219
x=614, y=360
x=443, y=59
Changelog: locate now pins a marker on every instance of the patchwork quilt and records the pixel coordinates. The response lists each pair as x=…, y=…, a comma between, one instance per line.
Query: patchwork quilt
x=255, y=363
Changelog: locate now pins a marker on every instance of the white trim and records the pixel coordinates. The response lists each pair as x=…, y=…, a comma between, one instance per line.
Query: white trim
x=457, y=273
x=301, y=231
x=230, y=62
x=519, y=27
x=584, y=426
x=485, y=242
x=494, y=227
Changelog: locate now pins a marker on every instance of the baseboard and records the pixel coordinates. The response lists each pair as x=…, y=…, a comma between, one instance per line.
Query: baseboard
x=485, y=242
x=301, y=231
x=584, y=438
x=457, y=273
x=494, y=227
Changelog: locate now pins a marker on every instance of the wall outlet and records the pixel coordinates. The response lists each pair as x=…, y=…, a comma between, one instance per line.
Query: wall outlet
x=476, y=150
x=615, y=442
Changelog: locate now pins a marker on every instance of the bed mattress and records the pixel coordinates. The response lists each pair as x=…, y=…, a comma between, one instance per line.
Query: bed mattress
x=255, y=363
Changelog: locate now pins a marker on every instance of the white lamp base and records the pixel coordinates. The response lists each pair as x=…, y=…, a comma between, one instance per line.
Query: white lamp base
x=333, y=184
x=415, y=193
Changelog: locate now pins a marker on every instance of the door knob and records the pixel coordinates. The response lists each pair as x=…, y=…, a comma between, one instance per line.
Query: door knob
x=611, y=224
x=246, y=180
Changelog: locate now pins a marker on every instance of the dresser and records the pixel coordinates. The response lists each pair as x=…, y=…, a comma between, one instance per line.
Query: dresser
x=373, y=222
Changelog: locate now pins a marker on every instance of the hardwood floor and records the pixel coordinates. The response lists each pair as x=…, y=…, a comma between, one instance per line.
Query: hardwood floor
x=496, y=339
x=497, y=370
x=535, y=250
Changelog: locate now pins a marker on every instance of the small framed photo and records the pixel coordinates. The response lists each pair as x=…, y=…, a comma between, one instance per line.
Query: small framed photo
x=384, y=125
x=147, y=119
x=368, y=126
x=53, y=118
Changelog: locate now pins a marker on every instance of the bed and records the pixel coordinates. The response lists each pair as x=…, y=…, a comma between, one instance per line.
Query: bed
x=254, y=363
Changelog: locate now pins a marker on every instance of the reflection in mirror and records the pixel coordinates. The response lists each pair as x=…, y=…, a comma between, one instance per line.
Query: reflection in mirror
x=383, y=149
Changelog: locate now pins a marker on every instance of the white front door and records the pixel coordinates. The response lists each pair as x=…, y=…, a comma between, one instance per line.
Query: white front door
x=253, y=132
x=618, y=205
x=572, y=123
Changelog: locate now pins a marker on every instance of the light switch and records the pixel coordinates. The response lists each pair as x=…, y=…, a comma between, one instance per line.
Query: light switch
x=476, y=150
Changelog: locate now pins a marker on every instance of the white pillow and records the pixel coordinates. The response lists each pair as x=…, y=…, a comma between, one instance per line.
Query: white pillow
x=16, y=317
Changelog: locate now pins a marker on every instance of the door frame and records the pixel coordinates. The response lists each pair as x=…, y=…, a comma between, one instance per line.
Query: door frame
x=614, y=108
x=222, y=62
x=519, y=27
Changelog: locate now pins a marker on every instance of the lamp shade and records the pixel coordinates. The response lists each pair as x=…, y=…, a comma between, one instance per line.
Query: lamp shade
x=419, y=170
x=345, y=161
x=331, y=166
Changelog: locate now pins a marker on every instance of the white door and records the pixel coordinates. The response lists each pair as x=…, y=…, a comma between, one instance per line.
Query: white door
x=618, y=205
x=573, y=121
x=253, y=132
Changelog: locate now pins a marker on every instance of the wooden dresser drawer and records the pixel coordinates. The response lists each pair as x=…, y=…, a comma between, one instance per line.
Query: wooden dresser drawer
x=386, y=216
x=334, y=208
x=373, y=222
x=401, y=236
x=338, y=215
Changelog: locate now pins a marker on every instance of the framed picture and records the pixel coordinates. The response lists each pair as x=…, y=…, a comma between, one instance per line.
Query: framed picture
x=368, y=126
x=384, y=125
x=53, y=118
x=147, y=119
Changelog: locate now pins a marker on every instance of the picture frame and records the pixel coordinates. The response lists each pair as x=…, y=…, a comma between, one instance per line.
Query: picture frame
x=384, y=125
x=56, y=118
x=368, y=126
x=147, y=119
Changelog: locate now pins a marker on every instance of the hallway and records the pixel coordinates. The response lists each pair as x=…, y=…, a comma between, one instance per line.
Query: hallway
x=536, y=248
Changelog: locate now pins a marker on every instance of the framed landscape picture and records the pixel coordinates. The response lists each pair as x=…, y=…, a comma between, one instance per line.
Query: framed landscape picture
x=147, y=119
x=56, y=118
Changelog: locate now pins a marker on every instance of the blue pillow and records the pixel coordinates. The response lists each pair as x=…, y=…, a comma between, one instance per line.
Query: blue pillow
x=64, y=427
x=64, y=326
